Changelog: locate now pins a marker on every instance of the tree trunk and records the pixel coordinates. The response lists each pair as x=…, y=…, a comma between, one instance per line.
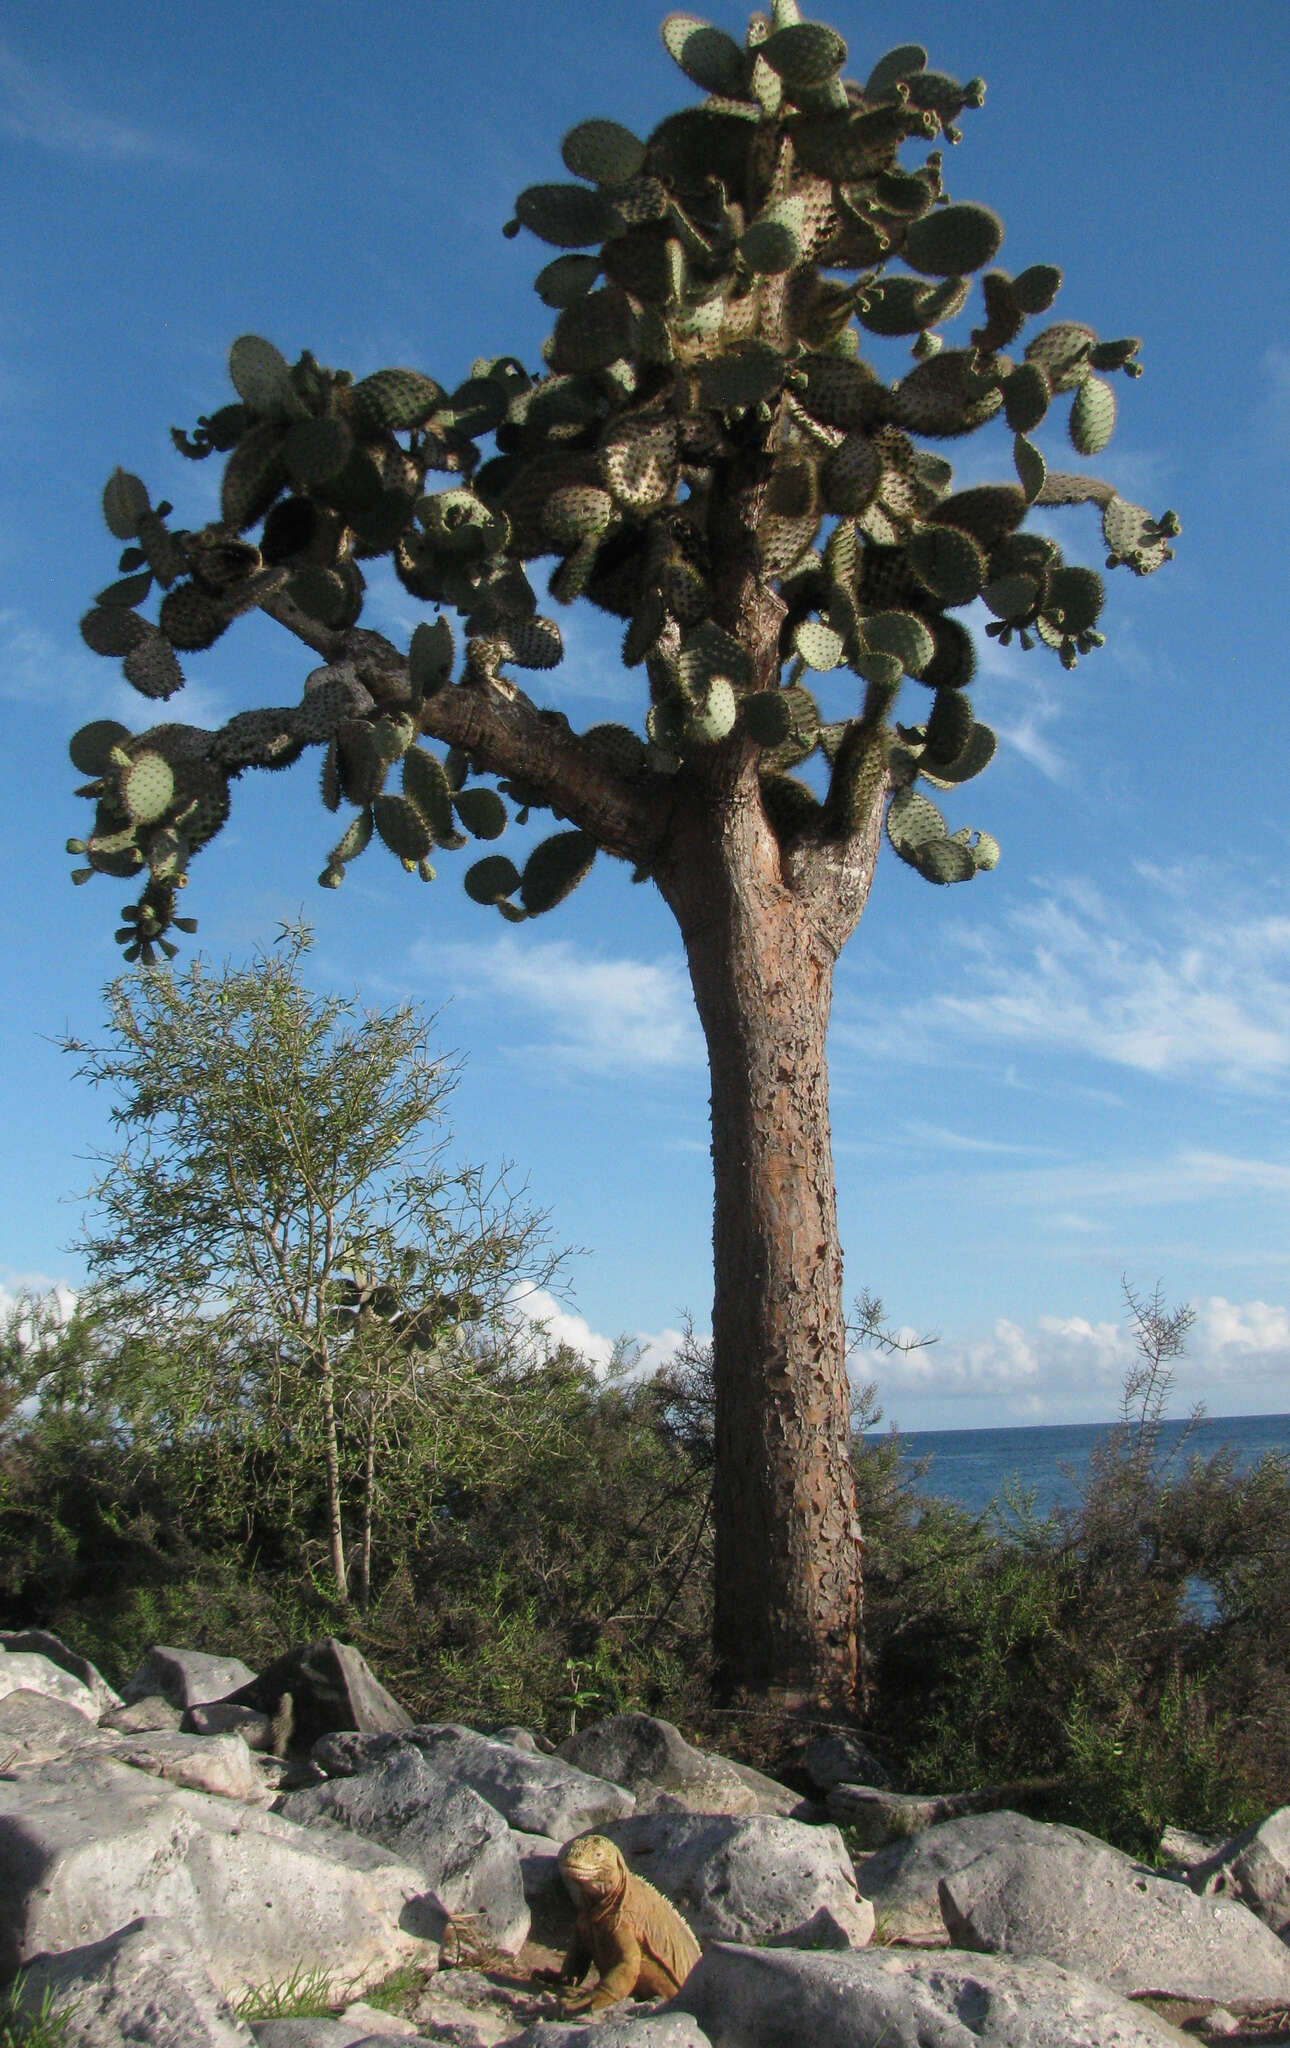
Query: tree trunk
x=331, y=1461
x=788, y=1582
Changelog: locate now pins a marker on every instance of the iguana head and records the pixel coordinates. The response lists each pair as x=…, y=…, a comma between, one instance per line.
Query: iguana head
x=594, y=1865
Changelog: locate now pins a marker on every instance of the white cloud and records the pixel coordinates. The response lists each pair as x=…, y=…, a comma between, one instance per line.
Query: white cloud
x=1175, y=992
x=598, y=1014
x=33, y=109
x=560, y=1326
x=1062, y=1365
x=1249, y=1339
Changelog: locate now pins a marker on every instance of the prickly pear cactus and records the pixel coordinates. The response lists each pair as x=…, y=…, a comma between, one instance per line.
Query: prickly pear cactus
x=707, y=444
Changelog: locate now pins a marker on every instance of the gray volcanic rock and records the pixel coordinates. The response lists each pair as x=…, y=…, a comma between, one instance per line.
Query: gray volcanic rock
x=460, y=1844
x=892, y=1998
x=35, y=1728
x=53, y=1647
x=750, y=1877
x=143, y=1984
x=1253, y=1867
x=1056, y=1892
x=332, y=1687
x=87, y=1845
x=539, y=1795
x=187, y=1678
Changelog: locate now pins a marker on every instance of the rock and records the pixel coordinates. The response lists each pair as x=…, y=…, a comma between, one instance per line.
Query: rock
x=770, y=1796
x=143, y=1984
x=840, y=1758
x=750, y=1877
x=650, y=1756
x=221, y=1717
x=56, y=1650
x=356, y=2026
x=902, y=1880
x=1181, y=1850
x=368, y=2030
x=35, y=1728
x=29, y=1671
x=1253, y=1867
x=138, y=1716
x=899, y=1998
x=187, y=1678
x=879, y=1816
x=219, y=1764
x=332, y=1687
x=1053, y=1891
x=523, y=1738
x=539, y=1863
x=617, y=2030
x=539, y=1795
x=459, y=1843
x=87, y=1845
x=470, y=2010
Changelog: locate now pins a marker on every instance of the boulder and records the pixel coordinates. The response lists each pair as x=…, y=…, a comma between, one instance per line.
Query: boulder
x=220, y=1764
x=650, y=1756
x=357, y=2027
x=879, y=1816
x=35, y=1728
x=461, y=1845
x=522, y=1738
x=332, y=1687
x=143, y=1984
x=902, y=1880
x=840, y=1758
x=750, y=1877
x=1054, y=1891
x=56, y=1650
x=890, y=1998
x=768, y=1793
x=138, y=1716
x=29, y=1671
x=1253, y=1867
x=87, y=1845
x=220, y=1717
x=186, y=1678
x=539, y=1864
x=539, y=1795
x=467, y=2007
x=617, y=2030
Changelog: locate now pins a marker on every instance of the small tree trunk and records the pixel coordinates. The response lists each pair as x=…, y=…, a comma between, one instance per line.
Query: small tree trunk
x=331, y=1460
x=364, y=1592
x=788, y=1584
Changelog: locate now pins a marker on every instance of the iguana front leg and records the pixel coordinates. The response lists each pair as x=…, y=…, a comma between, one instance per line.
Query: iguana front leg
x=616, y=1983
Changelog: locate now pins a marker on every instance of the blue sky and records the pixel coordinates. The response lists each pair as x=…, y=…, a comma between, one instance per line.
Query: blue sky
x=1076, y=1067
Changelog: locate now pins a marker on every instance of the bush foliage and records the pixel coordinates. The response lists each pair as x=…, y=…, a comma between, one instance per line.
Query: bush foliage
x=1132, y=1653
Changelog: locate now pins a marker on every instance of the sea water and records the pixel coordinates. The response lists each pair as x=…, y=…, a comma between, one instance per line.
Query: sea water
x=974, y=1467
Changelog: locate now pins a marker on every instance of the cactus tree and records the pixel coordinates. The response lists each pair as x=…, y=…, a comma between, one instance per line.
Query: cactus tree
x=710, y=457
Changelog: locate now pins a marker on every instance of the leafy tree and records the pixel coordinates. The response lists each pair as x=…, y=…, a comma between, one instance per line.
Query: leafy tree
x=713, y=459
x=289, y=1255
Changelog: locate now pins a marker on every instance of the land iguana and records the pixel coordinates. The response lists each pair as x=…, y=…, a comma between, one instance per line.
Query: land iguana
x=635, y=1937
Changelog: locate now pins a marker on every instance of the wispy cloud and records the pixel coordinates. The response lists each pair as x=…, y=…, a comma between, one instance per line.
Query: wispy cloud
x=36, y=109
x=1038, y=1371
x=39, y=668
x=1171, y=990
x=593, y=1013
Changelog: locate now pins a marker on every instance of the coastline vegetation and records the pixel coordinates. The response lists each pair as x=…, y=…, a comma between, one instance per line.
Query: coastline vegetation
x=297, y=1399
x=555, y=1568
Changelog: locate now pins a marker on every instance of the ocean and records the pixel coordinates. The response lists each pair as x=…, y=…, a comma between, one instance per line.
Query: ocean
x=973, y=1467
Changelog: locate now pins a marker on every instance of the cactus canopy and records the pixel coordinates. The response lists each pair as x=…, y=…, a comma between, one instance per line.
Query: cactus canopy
x=717, y=287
